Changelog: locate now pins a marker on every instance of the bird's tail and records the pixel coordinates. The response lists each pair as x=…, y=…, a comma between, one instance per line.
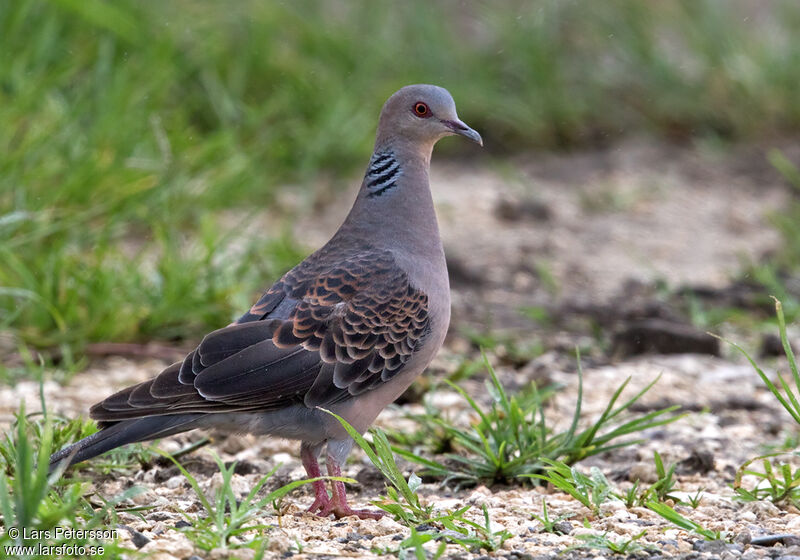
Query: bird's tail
x=122, y=433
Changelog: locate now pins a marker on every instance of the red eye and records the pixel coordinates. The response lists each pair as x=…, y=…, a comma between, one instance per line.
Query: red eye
x=421, y=110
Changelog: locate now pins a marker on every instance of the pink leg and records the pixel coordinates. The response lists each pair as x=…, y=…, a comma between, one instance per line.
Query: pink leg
x=337, y=505
x=321, y=501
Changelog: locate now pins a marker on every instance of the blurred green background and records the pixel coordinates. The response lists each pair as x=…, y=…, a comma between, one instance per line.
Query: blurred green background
x=128, y=127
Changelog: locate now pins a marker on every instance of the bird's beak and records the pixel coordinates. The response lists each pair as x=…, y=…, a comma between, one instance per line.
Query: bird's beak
x=460, y=128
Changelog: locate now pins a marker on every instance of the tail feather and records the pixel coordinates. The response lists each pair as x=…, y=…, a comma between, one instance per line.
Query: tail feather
x=122, y=433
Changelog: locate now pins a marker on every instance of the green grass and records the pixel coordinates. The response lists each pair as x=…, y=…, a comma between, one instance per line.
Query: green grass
x=406, y=506
x=227, y=522
x=127, y=128
x=57, y=432
x=590, y=490
x=594, y=489
x=548, y=524
x=512, y=440
x=786, y=393
x=683, y=522
x=35, y=503
x=777, y=481
x=621, y=545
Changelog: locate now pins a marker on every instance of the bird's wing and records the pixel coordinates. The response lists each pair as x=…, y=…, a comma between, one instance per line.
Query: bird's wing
x=329, y=329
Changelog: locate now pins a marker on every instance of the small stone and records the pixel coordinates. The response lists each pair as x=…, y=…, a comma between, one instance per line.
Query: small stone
x=793, y=525
x=282, y=458
x=231, y=554
x=644, y=472
x=716, y=547
x=161, y=516
x=139, y=540
x=748, y=516
x=163, y=474
x=612, y=506
x=562, y=527
x=175, y=482
x=764, y=511
x=479, y=495
x=147, y=497
x=700, y=461
x=386, y=526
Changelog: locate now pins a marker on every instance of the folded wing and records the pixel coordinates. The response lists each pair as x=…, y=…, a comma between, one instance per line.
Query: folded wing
x=325, y=332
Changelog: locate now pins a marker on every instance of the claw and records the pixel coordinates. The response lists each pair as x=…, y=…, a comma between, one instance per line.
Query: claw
x=345, y=511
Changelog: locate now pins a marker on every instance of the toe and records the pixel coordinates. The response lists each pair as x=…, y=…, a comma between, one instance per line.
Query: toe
x=360, y=513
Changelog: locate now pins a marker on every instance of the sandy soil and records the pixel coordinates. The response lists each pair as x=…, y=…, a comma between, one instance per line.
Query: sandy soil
x=532, y=232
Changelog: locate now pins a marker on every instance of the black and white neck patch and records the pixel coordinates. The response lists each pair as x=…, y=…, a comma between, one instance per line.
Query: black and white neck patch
x=382, y=173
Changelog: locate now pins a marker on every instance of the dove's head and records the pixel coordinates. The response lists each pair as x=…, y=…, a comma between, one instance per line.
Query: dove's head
x=422, y=113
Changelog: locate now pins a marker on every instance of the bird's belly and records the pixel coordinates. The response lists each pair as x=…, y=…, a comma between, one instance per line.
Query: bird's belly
x=293, y=422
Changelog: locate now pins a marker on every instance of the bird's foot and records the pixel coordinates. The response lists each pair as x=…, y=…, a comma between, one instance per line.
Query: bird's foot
x=335, y=504
x=339, y=507
x=322, y=501
x=323, y=506
x=319, y=505
x=344, y=510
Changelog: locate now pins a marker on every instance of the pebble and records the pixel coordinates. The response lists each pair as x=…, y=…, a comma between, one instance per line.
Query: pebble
x=282, y=459
x=146, y=498
x=748, y=516
x=614, y=506
x=175, y=482
x=138, y=538
x=643, y=472
x=387, y=526
x=479, y=496
x=793, y=525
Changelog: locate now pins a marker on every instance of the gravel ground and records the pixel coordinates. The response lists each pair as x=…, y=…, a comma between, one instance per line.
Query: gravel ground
x=594, y=221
